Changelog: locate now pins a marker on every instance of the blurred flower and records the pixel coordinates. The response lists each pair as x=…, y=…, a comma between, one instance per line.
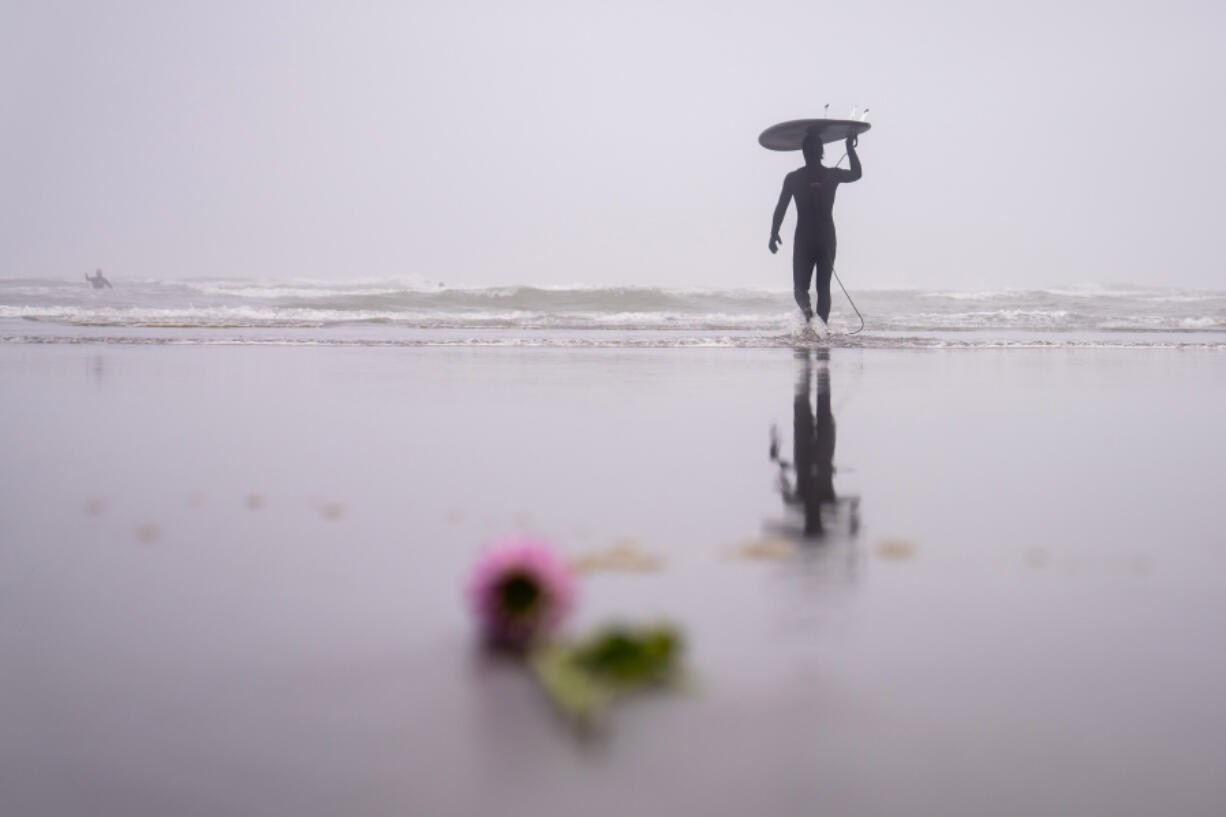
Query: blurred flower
x=520, y=590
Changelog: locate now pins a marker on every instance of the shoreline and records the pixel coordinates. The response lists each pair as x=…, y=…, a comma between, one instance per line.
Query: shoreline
x=233, y=579
x=28, y=332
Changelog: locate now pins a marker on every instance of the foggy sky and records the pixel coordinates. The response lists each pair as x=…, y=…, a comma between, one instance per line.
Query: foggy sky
x=1022, y=144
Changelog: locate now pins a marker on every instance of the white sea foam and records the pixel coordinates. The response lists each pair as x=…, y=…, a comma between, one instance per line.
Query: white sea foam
x=416, y=303
x=1200, y=323
x=281, y=292
x=625, y=341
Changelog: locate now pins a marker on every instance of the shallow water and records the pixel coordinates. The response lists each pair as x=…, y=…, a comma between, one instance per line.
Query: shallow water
x=229, y=579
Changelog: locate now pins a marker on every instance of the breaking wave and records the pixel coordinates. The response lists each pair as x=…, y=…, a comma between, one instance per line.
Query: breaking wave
x=219, y=304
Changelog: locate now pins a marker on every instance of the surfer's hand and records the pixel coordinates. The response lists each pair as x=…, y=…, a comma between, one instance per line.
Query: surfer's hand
x=775, y=242
x=852, y=141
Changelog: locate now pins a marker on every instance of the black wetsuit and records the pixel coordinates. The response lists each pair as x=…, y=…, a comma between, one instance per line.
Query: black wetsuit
x=813, y=187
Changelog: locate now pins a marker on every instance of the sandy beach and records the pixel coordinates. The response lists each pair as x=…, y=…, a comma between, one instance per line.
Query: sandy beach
x=230, y=580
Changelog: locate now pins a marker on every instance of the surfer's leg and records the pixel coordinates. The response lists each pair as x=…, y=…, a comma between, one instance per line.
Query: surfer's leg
x=802, y=273
x=825, y=268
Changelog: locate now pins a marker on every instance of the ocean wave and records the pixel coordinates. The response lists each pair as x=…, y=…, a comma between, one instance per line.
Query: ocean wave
x=630, y=341
x=988, y=318
x=419, y=303
x=287, y=292
x=1078, y=293
x=254, y=317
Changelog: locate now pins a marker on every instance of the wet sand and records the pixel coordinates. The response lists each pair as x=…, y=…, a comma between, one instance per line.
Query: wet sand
x=230, y=580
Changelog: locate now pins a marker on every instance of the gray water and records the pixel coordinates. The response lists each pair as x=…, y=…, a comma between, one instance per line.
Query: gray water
x=416, y=312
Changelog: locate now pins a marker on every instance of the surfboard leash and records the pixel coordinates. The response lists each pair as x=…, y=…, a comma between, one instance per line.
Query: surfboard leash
x=840, y=280
x=852, y=302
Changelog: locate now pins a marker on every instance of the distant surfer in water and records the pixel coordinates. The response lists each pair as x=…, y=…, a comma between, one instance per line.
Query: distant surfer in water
x=813, y=187
x=98, y=281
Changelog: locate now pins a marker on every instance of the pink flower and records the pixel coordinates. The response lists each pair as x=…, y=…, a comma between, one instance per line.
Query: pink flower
x=520, y=590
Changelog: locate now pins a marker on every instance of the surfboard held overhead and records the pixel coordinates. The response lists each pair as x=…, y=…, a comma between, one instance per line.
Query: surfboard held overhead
x=790, y=135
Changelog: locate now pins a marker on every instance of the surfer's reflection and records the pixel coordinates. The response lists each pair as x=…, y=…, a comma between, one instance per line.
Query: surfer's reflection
x=809, y=487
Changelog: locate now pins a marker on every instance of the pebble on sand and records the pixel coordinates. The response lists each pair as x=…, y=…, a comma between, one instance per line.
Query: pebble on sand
x=328, y=509
x=766, y=548
x=895, y=549
x=623, y=556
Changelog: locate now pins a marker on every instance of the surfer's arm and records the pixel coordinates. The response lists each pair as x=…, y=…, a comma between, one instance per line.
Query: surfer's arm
x=852, y=173
x=780, y=210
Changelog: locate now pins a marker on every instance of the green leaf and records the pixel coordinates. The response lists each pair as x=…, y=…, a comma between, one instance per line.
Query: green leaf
x=584, y=678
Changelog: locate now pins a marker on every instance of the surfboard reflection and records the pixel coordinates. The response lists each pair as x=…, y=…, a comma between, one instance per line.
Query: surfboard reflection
x=807, y=482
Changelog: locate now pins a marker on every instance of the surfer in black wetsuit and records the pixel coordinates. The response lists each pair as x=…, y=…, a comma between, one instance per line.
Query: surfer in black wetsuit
x=98, y=281
x=813, y=187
